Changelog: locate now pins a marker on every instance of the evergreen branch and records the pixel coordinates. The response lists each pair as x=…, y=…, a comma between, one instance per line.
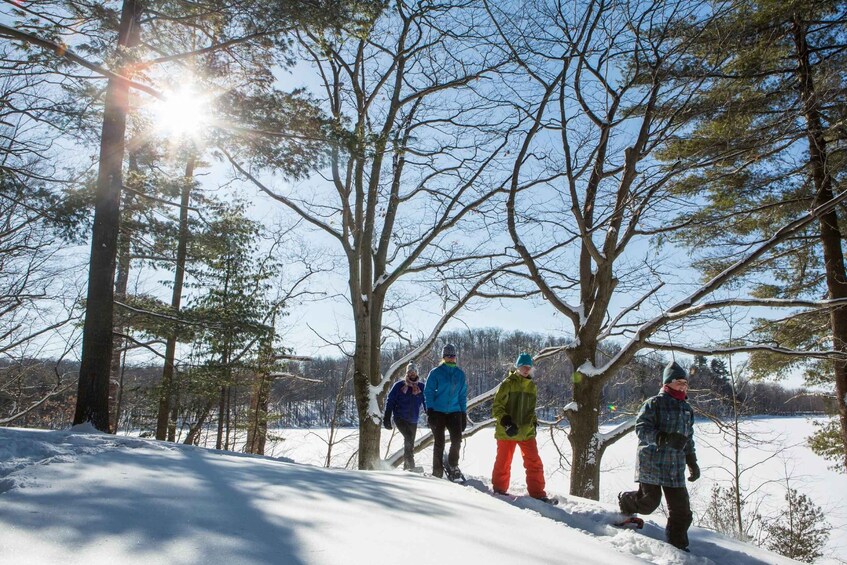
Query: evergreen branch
x=62, y=50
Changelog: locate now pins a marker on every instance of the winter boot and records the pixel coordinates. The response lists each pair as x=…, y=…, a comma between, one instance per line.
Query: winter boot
x=626, y=503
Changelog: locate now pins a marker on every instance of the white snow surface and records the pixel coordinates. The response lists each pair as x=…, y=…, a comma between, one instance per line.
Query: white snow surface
x=82, y=497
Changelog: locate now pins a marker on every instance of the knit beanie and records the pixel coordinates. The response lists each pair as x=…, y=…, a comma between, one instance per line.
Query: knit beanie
x=672, y=372
x=524, y=359
x=411, y=368
x=449, y=350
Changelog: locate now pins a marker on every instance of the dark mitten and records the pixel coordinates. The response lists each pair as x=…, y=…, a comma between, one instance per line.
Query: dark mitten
x=672, y=440
x=511, y=428
x=386, y=421
x=464, y=421
x=693, y=468
x=429, y=417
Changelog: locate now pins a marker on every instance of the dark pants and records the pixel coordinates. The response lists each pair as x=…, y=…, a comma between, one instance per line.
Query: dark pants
x=648, y=497
x=407, y=430
x=452, y=422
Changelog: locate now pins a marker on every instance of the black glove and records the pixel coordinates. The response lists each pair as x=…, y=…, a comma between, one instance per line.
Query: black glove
x=429, y=412
x=464, y=421
x=672, y=440
x=693, y=468
x=511, y=427
x=386, y=421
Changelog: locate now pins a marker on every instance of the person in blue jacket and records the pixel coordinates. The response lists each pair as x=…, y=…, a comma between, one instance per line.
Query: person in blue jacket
x=404, y=403
x=665, y=430
x=446, y=396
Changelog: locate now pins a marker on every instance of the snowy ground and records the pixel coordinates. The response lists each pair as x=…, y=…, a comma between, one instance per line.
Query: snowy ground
x=771, y=450
x=82, y=497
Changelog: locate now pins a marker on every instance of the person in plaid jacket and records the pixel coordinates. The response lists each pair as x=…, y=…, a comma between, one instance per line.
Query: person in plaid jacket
x=665, y=430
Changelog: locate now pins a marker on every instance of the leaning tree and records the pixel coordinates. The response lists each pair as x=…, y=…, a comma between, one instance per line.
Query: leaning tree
x=589, y=203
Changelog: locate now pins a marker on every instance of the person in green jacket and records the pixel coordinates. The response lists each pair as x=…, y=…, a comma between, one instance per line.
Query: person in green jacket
x=514, y=412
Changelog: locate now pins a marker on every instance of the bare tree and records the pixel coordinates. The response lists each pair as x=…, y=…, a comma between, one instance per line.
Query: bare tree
x=411, y=171
x=588, y=195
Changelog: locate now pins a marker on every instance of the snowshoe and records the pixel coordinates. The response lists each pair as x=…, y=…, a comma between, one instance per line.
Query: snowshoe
x=505, y=495
x=632, y=522
x=451, y=473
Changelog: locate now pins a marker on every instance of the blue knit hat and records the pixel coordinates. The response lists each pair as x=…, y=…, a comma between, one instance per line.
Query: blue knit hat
x=672, y=372
x=524, y=359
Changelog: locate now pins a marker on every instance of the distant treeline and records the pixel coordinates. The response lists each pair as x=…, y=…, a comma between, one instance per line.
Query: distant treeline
x=318, y=392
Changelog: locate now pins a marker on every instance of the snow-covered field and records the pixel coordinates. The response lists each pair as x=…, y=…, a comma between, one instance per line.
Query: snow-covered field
x=82, y=497
x=772, y=449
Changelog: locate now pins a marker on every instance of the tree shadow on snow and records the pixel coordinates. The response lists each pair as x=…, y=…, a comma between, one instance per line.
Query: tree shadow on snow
x=166, y=498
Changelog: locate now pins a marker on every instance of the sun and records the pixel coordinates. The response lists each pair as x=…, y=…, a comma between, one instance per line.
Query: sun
x=182, y=113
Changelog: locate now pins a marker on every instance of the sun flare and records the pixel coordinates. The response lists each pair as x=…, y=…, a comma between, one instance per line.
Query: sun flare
x=183, y=113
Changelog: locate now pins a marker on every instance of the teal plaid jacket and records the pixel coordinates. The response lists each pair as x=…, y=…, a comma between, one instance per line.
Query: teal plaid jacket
x=665, y=465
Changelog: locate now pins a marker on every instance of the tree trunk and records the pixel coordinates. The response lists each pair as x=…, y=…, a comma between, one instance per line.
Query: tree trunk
x=174, y=413
x=194, y=431
x=830, y=235
x=120, y=395
x=366, y=371
x=585, y=447
x=257, y=425
x=228, y=426
x=166, y=391
x=121, y=283
x=219, y=440
x=368, y=429
x=93, y=391
x=257, y=428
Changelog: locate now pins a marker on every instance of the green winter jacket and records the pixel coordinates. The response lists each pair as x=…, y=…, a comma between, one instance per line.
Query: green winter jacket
x=516, y=397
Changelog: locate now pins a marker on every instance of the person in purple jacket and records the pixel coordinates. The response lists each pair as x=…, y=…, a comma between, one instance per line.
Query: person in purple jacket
x=404, y=403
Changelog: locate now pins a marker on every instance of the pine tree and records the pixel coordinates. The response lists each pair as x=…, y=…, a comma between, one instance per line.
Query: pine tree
x=801, y=531
x=769, y=128
x=230, y=36
x=233, y=310
x=722, y=513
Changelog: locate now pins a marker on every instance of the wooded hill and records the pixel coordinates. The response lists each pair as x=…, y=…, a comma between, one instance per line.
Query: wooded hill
x=318, y=392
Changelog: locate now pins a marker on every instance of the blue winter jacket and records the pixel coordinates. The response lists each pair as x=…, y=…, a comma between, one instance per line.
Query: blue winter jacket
x=405, y=406
x=664, y=465
x=447, y=389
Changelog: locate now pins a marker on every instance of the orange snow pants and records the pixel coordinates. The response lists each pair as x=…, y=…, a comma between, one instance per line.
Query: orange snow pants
x=531, y=462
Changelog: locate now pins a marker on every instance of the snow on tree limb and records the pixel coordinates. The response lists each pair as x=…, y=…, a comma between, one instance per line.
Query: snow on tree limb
x=689, y=304
x=608, y=438
x=742, y=349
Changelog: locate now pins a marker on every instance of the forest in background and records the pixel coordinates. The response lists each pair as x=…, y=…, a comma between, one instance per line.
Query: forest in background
x=318, y=392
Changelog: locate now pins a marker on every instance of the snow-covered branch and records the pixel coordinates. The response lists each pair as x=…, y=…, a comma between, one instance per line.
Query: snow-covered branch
x=689, y=303
x=765, y=302
x=741, y=349
x=608, y=438
x=395, y=368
